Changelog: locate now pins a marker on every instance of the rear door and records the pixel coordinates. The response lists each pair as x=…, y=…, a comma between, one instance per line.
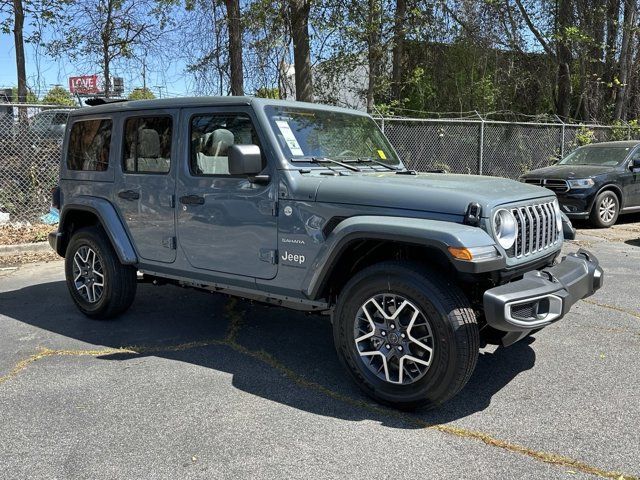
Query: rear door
x=145, y=190
x=226, y=223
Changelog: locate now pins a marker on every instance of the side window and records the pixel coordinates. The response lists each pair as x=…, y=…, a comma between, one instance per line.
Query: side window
x=89, y=143
x=147, y=145
x=211, y=137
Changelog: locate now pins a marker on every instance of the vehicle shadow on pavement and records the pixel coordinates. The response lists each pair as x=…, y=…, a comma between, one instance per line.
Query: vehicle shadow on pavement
x=170, y=316
x=628, y=218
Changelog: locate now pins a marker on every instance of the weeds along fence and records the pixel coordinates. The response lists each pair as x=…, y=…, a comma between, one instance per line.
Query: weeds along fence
x=491, y=147
x=30, y=151
x=31, y=139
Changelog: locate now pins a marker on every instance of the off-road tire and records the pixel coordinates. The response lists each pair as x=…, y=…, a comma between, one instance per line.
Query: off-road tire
x=604, y=199
x=119, y=280
x=453, y=323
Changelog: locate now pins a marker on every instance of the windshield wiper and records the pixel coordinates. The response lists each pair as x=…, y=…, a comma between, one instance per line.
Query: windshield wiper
x=398, y=171
x=326, y=160
x=373, y=160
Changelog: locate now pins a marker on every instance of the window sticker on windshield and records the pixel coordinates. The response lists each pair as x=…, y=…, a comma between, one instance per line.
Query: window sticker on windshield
x=289, y=137
x=382, y=155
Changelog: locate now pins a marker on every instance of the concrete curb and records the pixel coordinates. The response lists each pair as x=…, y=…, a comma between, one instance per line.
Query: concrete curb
x=24, y=248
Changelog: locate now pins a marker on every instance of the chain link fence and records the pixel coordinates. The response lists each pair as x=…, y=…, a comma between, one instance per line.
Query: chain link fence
x=30, y=151
x=491, y=147
x=31, y=137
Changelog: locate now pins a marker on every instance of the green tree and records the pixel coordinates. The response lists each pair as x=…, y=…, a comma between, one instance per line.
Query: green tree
x=111, y=32
x=141, y=94
x=58, y=96
x=30, y=97
x=264, y=92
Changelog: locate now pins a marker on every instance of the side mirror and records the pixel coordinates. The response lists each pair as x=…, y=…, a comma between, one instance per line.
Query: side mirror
x=244, y=160
x=634, y=166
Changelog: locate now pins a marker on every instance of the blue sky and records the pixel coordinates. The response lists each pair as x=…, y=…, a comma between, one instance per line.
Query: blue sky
x=53, y=72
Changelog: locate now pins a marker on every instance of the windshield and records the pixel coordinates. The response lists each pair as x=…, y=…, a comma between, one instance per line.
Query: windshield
x=592, y=155
x=320, y=133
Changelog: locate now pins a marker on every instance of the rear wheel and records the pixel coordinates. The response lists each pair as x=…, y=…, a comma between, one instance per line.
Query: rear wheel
x=406, y=335
x=605, y=210
x=100, y=286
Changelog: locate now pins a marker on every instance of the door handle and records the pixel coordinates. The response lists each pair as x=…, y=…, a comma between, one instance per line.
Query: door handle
x=129, y=195
x=192, y=200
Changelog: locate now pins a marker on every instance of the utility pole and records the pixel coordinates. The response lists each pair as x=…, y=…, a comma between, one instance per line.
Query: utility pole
x=159, y=87
x=144, y=73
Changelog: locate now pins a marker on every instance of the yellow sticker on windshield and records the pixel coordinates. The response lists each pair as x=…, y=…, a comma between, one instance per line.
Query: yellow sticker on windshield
x=382, y=155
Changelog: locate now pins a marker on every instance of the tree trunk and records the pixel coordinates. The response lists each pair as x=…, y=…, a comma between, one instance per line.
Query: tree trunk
x=235, y=46
x=374, y=51
x=563, y=93
x=626, y=56
x=633, y=110
x=105, y=37
x=299, y=18
x=613, y=11
x=399, y=31
x=18, y=27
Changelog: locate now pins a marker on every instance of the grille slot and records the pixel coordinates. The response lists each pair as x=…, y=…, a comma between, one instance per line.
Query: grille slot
x=557, y=185
x=536, y=228
x=533, y=181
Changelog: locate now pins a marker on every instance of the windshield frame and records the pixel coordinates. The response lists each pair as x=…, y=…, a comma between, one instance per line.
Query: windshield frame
x=629, y=152
x=269, y=116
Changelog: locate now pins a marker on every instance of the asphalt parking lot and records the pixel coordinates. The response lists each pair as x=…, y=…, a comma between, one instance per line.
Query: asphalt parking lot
x=195, y=385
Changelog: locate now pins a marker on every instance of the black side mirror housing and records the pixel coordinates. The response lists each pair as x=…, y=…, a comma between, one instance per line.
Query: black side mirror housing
x=634, y=166
x=244, y=160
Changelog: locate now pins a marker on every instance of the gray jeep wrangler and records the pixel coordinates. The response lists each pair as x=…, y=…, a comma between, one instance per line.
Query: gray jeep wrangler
x=309, y=207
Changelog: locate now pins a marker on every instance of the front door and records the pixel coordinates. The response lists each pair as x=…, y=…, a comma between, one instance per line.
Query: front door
x=631, y=183
x=226, y=223
x=145, y=192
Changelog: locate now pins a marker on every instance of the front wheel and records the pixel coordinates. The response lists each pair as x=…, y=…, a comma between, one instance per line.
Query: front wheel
x=406, y=335
x=605, y=210
x=100, y=286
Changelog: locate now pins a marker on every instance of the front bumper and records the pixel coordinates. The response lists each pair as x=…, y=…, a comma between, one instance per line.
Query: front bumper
x=577, y=204
x=56, y=242
x=542, y=297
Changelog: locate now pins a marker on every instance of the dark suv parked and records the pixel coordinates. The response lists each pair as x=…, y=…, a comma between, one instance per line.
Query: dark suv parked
x=597, y=182
x=309, y=207
x=48, y=124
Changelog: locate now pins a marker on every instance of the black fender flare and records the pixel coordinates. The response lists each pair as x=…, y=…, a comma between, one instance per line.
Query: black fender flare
x=429, y=233
x=108, y=217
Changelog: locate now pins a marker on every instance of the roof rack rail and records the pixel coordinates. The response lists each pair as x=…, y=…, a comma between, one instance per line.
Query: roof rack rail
x=95, y=101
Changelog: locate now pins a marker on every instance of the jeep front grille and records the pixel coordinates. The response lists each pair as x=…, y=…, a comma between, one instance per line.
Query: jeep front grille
x=536, y=228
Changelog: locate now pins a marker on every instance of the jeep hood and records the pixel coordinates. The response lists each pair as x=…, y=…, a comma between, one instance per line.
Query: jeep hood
x=432, y=192
x=566, y=172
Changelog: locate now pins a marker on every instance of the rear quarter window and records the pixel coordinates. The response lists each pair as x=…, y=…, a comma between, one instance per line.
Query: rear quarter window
x=89, y=145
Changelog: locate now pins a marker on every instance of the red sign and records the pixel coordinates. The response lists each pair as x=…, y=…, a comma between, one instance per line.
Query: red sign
x=85, y=85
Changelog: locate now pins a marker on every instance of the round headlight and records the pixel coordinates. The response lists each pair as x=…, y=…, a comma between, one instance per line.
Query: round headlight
x=505, y=228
